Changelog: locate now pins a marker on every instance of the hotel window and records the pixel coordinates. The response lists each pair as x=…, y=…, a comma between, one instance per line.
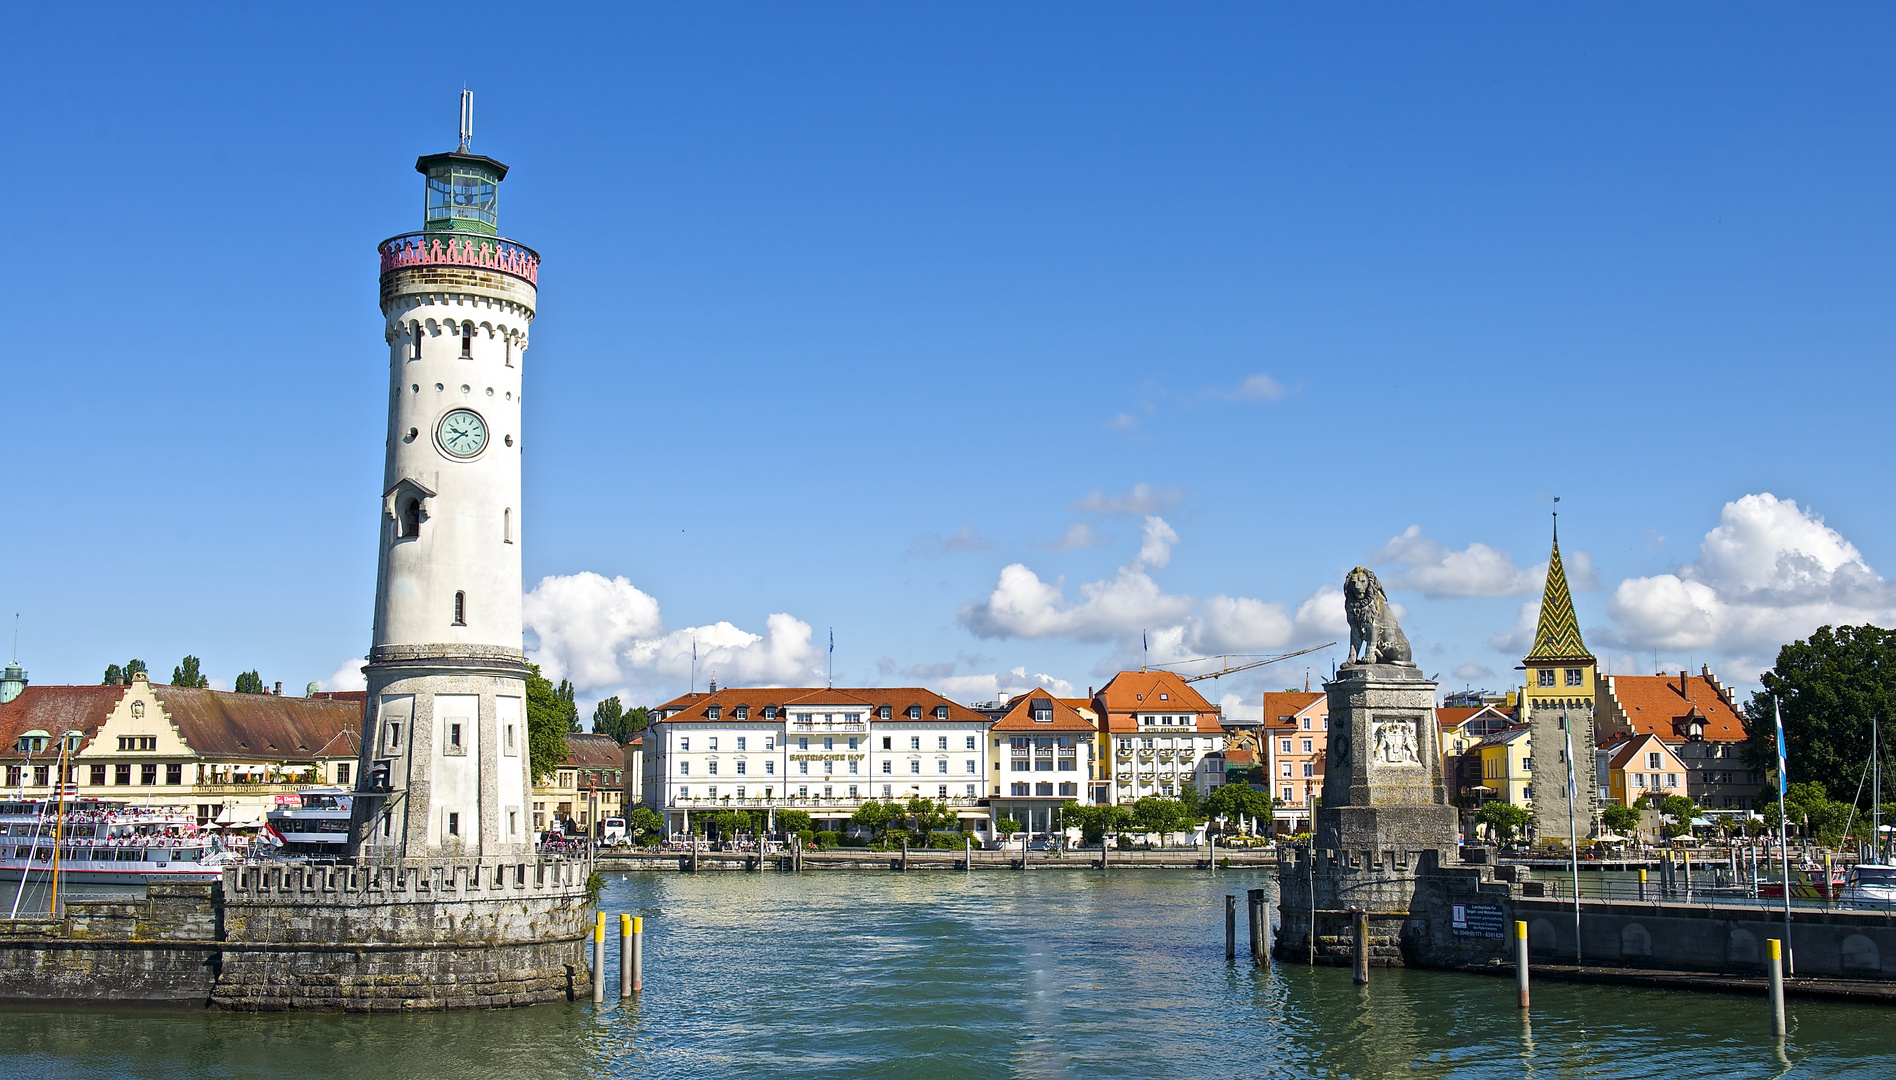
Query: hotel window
x=742, y=712
x=915, y=742
x=885, y=767
x=711, y=743
x=970, y=791
x=829, y=743
x=885, y=791
x=714, y=713
x=740, y=791
x=740, y=739
x=684, y=768
x=852, y=767
x=1043, y=789
x=684, y=742
x=803, y=767
x=711, y=767
x=770, y=768
x=121, y=775
x=941, y=766
x=970, y=742
x=1573, y=676
x=684, y=792
x=711, y=792
x=1068, y=764
x=770, y=742
x=174, y=774
x=852, y=791
x=148, y=774
x=1069, y=789
x=770, y=713
x=1019, y=789
x=1310, y=769
x=98, y=775
x=1286, y=794
x=1544, y=676
x=941, y=712
x=915, y=767
x=1308, y=745
x=740, y=768
x=885, y=742
x=914, y=712
x=941, y=742
x=852, y=742
x=971, y=766
x=829, y=765
x=803, y=742
x=1020, y=764
x=883, y=712
x=1283, y=746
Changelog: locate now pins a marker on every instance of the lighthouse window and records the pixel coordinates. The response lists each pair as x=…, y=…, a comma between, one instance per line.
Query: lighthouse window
x=409, y=526
x=460, y=609
x=467, y=340
x=506, y=526
x=414, y=352
x=454, y=736
x=454, y=824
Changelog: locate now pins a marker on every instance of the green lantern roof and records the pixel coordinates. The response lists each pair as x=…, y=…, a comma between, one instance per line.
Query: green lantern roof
x=463, y=192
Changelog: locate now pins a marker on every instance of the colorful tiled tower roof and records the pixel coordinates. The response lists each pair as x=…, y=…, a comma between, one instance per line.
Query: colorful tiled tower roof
x=1557, y=637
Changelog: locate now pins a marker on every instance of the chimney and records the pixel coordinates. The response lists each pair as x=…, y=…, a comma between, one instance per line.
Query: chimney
x=279, y=688
x=1684, y=688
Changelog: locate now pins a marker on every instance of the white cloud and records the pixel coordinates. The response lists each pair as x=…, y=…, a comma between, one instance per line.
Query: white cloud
x=1022, y=605
x=1470, y=672
x=1240, y=710
x=1123, y=422
x=1000, y=685
x=1079, y=536
x=602, y=632
x=1258, y=387
x=1517, y=639
x=966, y=538
x=212, y=682
x=347, y=677
x=1769, y=572
x=1142, y=499
x=1476, y=570
x=584, y=622
x=929, y=672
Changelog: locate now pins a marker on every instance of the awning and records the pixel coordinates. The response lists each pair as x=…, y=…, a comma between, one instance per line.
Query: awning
x=981, y=814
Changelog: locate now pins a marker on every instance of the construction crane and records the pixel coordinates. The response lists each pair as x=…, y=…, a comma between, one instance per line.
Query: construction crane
x=1232, y=669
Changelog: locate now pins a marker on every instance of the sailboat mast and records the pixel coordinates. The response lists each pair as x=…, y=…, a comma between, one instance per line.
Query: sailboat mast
x=1876, y=795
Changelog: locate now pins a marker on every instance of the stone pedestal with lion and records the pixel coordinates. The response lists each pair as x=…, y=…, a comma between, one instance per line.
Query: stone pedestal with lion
x=1385, y=819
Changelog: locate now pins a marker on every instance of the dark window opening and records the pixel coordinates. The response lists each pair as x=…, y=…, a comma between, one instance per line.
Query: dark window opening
x=174, y=774
x=460, y=609
x=408, y=526
x=467, y=340
x=342, y=773
x=454, y=735
x=415, y=353
x=454, y=824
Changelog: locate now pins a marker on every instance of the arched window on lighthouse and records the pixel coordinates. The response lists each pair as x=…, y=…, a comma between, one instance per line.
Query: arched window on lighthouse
x=408, y=526
x=506, y=525
x=467, y=340
x=460, y=609
x=414, y=352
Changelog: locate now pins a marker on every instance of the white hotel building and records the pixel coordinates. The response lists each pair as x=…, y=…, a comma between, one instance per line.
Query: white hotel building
x=822, y=751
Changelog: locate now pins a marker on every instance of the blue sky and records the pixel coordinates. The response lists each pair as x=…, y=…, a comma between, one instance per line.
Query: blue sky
x=992, y=337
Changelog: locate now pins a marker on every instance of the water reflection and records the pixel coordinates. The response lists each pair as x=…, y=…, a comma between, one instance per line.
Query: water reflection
x=1046, y=974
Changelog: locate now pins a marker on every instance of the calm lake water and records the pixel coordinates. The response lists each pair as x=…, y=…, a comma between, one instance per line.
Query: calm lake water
x=1051, y=973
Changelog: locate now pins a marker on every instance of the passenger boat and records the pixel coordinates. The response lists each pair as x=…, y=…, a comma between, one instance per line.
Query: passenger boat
x=318, y=825
x=102, y=842
x=1807, y=883
x=1870, y=884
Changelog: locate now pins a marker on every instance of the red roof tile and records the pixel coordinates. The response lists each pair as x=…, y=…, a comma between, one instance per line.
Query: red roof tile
x=1064, y=717
x=1133, y=692
x=1658, y=705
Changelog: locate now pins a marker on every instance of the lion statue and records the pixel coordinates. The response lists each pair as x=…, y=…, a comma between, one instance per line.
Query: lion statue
x=1374, y=636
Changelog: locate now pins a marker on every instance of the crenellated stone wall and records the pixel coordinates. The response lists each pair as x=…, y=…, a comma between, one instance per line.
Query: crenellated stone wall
x=280, y=936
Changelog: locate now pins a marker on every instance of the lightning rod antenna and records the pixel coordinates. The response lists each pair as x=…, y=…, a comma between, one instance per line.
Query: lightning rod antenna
x=467, y=119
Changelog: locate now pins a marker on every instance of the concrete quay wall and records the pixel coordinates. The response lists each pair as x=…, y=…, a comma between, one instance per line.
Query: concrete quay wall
x=933, y=859
x=412, y=936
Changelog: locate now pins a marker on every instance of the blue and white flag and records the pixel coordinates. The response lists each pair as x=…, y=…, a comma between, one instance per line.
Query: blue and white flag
x=1778, y=715
x=832, y=641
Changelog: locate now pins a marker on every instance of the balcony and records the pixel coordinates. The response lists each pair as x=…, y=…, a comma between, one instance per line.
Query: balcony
x=456, y=249
x=808, y=802
x=796, y=726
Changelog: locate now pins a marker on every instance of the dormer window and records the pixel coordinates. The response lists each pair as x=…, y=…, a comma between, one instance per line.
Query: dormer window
x=1043, y=712
x=713, y=713
x=941, y=712
x=770, y=712
x=882, y=713
x=914, y=712
x=742, y=712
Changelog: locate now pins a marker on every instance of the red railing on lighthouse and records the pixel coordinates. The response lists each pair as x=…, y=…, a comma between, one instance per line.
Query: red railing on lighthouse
x=460, y=249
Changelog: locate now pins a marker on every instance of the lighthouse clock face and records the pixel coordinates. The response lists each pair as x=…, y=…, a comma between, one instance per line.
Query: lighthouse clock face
x=462, y=433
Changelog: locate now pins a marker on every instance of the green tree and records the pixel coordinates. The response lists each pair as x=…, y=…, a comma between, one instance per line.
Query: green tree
x=569, y=709
x=643, y=822
x=1829, y=686
x=1234, y=802
x=876, y=817
x=187, y=674
x=548, y=722
x=731, y=822
x=122, y=675
x=1504, y=819
x=793, y=822
x=929, y=817
x=1193, y=801
x=249, y=682
x=1678, y=808
x=1809, y=809
x=1155, y=815
x=1619, y=818
x=612, y=718
x=1007, y=826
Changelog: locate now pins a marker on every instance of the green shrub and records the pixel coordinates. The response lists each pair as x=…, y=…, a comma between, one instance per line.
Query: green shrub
x=805, y=837
x=825, y=839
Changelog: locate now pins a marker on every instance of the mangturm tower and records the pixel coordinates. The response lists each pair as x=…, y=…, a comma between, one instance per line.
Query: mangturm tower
x=1557, y=704
x=444, y=736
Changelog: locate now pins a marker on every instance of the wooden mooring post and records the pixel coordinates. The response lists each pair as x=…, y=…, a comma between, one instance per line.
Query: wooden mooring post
x=1361, y=946
x=1259, y=913
x=1520, y=960
x=599, y=960
x=1774, y=953
x=1231, y=926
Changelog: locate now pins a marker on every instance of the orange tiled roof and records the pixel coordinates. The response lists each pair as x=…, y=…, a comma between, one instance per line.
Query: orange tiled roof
x=1637, y=745
x=1021, y=716
x=1658, y=704
x=214, y=723
x=1281, y=704
x=588, y=751
x=692, y=707
x=1133, y=692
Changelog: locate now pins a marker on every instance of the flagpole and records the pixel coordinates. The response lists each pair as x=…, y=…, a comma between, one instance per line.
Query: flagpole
x=1784, y=842
x=1573, y=843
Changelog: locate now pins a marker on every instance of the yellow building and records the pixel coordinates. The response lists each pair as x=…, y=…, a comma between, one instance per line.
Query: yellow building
x=1507, y=767
x=588, y=786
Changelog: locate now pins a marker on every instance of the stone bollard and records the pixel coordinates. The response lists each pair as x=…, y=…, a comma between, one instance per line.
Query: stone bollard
x=1361, y=946
x=1520, y=960
x=599, y=960
x=1258, y=913
x=1773, y=954
x=1231, y=926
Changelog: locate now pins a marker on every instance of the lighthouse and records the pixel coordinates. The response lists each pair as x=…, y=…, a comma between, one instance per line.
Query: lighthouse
x=444, y=755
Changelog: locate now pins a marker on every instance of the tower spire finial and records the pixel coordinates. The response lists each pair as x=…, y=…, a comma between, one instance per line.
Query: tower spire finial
x=467, y=119
x=1556, y=521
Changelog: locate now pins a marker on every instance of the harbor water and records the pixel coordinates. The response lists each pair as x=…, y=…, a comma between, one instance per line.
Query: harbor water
x=1050, y=973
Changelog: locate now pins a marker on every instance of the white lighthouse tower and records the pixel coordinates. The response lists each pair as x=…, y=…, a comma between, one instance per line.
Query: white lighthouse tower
x=444, y=756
